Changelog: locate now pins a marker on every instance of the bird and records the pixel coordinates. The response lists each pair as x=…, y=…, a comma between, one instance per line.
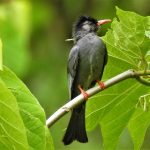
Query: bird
x=85, y=67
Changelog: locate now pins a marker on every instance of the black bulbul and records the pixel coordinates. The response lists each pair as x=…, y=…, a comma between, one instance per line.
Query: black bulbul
x=86, y=63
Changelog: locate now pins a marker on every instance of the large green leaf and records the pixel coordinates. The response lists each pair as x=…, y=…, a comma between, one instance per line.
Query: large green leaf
x=140, y=121
x=127, y=41
x=31, y=112
x=49, y=141
x=113, y=108
x=12, y=129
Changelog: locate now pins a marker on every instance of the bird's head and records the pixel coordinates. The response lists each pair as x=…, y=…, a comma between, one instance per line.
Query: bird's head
x=89, y=24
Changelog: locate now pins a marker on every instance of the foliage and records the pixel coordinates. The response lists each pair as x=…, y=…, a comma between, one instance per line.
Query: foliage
x=22, y=118
x=115, y=108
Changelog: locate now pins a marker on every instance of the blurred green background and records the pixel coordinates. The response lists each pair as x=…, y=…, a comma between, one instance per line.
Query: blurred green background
x=33, y=35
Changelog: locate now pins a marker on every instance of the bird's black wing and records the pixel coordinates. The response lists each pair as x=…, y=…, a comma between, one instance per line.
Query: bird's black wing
x=106, y=56
x=72, y=66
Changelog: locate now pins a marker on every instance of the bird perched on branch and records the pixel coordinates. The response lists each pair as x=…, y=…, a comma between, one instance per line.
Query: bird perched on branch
x=86, y=63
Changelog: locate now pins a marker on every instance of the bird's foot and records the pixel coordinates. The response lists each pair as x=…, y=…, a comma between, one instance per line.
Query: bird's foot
x=86, y=95
x=101, y=84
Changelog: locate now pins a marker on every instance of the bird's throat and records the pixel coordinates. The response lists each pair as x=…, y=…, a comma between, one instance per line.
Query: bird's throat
x=80, y=34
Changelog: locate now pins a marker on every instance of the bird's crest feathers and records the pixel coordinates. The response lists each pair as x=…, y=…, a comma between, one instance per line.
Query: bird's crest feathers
x=82, y=19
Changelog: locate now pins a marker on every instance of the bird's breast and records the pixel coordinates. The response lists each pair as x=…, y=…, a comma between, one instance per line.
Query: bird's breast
x=91, y=59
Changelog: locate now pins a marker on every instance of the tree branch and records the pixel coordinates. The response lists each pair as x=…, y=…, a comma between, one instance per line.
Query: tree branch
x=79, y=99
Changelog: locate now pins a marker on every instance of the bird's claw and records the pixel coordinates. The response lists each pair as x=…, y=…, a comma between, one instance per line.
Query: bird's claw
x=86, y=95
x=101, y=84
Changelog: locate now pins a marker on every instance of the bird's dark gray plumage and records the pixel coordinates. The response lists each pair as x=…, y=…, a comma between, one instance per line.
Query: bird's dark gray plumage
x=86, y=63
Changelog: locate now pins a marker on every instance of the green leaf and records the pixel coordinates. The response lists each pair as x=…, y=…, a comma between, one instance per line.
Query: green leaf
x=12, y=129
x=140, y=122
x=127, y=41
x=49, y=141
x=118, y=117
x=113, y=108
x=30, y=110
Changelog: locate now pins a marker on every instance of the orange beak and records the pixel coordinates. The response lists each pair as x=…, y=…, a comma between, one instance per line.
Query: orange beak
x=100, y=22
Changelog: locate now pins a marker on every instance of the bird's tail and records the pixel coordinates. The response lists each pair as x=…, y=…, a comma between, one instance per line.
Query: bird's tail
x=76, y=127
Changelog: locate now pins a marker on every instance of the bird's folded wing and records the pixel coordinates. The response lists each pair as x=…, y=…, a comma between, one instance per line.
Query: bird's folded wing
x=72, y=66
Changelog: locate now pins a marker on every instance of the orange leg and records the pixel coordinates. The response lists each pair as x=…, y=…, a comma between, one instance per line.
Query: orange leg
x=101, y=84
x=83, y=92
